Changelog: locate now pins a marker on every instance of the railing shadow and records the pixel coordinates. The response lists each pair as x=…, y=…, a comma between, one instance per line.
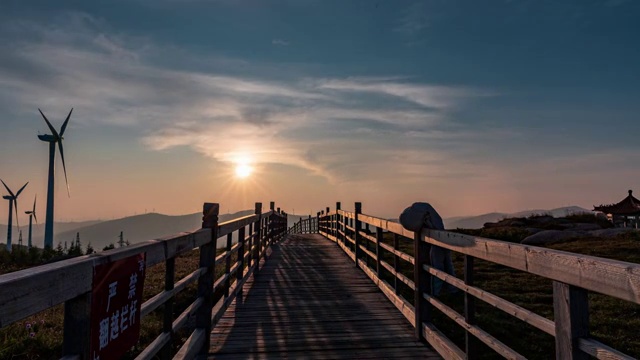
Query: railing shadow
x=307, y=297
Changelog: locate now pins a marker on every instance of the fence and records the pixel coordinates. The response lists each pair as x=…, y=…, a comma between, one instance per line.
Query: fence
x=27, y=292
x=573, y=276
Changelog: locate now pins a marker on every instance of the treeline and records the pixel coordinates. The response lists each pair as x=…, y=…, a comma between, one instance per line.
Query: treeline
x=22, y=257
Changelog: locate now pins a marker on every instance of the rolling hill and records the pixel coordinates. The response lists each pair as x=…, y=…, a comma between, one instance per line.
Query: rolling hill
x=476, y=222
x=138, y=228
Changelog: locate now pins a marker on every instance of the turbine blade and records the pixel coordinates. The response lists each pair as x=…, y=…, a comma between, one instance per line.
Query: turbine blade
x=64, y=167
x=34, y=208
x=64, y=126
x=15, y=203
x=22, y=188
x=6, y=187
x=53, y=130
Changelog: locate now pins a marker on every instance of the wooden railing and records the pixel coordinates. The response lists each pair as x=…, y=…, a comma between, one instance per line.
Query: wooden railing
x=27, y=292
x=305, y=226
x=573, y=277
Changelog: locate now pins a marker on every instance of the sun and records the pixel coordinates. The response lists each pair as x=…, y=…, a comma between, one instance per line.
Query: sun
x=243, y=171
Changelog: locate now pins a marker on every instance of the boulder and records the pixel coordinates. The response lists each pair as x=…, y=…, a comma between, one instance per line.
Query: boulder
x=547, y=237
x=610, y=233
x=582, y=226
x=533, y=230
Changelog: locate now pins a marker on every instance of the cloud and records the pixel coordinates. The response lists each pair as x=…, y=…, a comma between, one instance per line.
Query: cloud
x=413, y=20
x=280, y=42
x=338, y=128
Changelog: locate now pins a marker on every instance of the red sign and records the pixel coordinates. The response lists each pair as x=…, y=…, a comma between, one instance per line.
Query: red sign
x=116, y=299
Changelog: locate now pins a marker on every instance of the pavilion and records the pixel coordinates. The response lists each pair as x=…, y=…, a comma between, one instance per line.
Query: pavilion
x=626, y=213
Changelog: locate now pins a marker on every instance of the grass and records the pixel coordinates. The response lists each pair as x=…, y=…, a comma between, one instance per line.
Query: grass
x=612, y=321
x=46, y=326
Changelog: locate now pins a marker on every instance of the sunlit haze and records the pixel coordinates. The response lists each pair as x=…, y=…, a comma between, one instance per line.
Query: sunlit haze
x=473, y=106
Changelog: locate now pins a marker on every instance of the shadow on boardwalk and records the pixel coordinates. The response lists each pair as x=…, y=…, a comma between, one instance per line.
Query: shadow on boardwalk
x=309, y=301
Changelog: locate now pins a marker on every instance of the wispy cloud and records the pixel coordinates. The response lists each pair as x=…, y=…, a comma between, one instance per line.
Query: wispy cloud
x=414, y=19
x=280, y=42
x=337, y=128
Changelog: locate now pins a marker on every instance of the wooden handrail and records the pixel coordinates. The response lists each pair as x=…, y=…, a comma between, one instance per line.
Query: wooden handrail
x=27, y=292
x=573, y=276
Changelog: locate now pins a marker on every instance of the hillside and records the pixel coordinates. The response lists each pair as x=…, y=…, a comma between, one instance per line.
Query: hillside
x=476, y=222
x=138, y=228
x=38, y=230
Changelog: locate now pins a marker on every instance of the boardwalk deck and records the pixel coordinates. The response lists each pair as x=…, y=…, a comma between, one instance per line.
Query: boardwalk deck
x=310, y=302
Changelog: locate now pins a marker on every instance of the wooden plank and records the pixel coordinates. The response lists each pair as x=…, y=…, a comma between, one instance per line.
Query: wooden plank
x=159, y=299
x=192, y=346
x=77, y=326
x=370, y=254
x=27, y=292
x=609, y=277
x=387, y=225
x=480, y=334
x=571, y=314
x=398, y=253
x=601, y=351
x=512, y=309
x=398, y=275
x=156, y=345
x=422, y=283
x=400, y=303
x=471, y=348
x=167, y=326
x=441, y=343
x=298, y=307
x=187, y=314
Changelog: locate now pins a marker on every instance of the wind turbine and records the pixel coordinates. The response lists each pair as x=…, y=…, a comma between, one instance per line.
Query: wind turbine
x=52, y=139
x=32, y=215
x=13, y=198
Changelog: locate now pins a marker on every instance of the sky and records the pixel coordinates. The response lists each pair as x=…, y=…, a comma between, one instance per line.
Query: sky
x=473, y=106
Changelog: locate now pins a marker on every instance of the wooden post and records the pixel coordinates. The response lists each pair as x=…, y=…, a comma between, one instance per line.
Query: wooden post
x=368, y=245
x=379, y=236
x=270, y=226
x=205, y=283
x=356, y=234
x=422, y=281
x=241, y=260
x=396, y=260
x=250, y=246
x=326, y=225
x=309, y=225
x=571, y=314
x=471, y=345
x=167, y=326
x=227, y=265
x=337, y=224
x=258, y=236
x=77, y=315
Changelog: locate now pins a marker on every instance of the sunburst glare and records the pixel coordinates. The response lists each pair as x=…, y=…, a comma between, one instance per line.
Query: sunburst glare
x=243, y=171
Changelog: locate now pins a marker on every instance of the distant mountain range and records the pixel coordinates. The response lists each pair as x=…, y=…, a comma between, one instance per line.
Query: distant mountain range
x=135, y=229
x=478, y=221
x=152, y=226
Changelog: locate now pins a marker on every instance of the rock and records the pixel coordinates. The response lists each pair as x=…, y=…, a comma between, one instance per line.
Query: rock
x=542, y=220
x=586, y=226
x=533, y=230
x=581, y=226
x=610, y=233
x=547, y=237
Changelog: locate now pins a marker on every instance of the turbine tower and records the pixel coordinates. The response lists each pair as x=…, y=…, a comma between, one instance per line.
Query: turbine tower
x=13, y=198
x=32, y=215
x=52, y=139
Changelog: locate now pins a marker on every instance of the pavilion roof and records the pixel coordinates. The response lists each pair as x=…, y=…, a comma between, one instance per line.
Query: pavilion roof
x=628, y=205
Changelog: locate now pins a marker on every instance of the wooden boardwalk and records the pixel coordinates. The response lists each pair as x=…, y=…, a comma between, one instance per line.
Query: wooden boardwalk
x=309, y=301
